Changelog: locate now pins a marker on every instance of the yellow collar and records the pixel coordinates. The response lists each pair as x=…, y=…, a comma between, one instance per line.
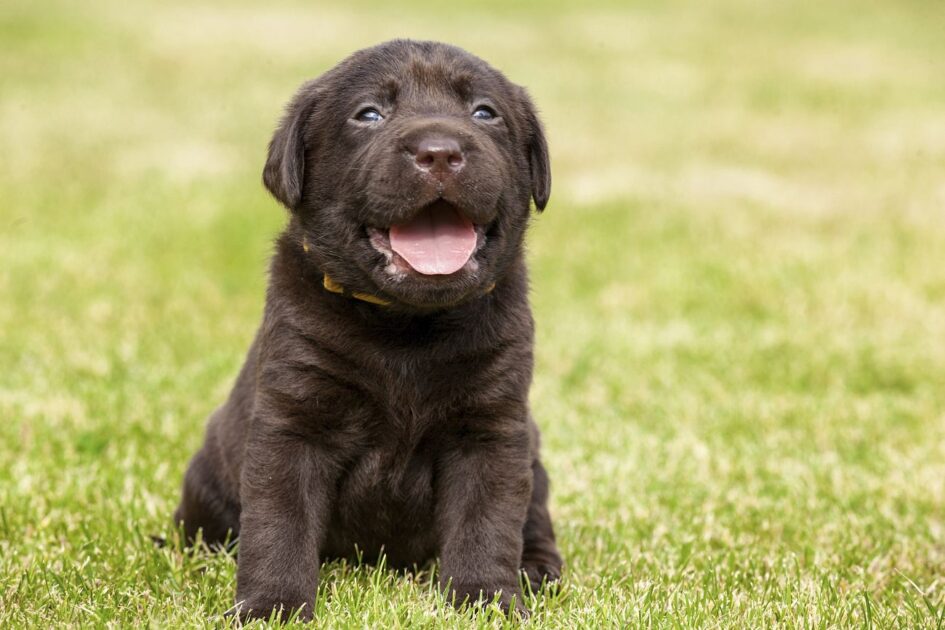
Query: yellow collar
x=333, y=287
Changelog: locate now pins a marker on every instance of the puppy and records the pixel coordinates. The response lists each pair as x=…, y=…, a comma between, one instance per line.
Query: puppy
x=383, y=405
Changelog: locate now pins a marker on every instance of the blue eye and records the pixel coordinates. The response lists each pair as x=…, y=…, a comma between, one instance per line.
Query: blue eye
x=484, y=112
x=369, y=115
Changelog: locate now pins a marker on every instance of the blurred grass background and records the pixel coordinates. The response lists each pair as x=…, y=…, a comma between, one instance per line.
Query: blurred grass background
x=739, y=288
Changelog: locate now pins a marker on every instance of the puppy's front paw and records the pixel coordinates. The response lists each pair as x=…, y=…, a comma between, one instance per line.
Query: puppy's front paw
x=509, y=598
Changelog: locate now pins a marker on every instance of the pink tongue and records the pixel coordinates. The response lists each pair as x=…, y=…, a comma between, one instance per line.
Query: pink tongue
x=439, y=240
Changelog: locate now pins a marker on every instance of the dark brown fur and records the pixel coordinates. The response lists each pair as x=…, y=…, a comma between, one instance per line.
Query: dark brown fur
x=403, y=428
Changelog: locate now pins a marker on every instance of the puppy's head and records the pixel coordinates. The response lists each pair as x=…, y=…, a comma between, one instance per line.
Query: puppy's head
x=409, y=169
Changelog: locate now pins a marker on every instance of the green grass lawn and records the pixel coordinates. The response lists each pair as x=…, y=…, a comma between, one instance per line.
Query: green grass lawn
x=739, y=287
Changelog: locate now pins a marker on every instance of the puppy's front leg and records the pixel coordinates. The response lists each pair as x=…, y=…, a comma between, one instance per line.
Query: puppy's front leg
x=483, y=488
x=284, y=492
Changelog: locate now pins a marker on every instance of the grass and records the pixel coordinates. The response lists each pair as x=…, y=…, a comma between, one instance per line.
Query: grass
x=739, y=287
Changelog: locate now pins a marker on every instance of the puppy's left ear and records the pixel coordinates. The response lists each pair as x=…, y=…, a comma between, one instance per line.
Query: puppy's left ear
x=284, y=173
x=539, y=163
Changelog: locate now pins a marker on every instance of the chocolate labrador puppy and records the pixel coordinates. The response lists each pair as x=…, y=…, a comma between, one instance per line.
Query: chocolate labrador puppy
x=384, y=402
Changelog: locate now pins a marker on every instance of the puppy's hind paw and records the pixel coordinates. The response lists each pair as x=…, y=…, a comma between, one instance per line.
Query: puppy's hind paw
x=541, y=575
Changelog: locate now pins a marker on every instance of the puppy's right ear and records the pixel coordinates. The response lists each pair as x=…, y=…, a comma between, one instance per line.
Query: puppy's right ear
x=284, y=172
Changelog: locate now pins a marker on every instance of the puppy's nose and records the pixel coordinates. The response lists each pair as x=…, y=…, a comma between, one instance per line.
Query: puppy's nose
x=439, y=156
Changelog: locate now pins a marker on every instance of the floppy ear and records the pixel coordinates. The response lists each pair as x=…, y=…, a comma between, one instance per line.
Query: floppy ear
x=284, y=172
x=539, y=163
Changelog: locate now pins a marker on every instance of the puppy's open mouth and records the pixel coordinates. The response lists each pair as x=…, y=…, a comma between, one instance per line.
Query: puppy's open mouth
x=438, y=240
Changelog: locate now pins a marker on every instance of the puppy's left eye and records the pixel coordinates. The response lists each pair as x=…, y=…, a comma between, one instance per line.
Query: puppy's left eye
x=484, y=112
x=369, y=115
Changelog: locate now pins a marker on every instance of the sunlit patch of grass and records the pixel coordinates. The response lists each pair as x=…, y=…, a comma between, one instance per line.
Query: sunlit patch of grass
x=739, y=287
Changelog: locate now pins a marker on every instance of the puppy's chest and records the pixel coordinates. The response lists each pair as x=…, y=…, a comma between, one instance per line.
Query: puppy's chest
x=392, y=470
x=396, y=418
x=387, y=491
x=402, y=401
x=390, y=474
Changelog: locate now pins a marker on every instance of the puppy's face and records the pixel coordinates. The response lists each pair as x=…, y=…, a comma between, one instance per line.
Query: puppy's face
x=409, y=169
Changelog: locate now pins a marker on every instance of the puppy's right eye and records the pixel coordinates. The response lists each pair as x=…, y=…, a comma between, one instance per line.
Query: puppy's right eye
x=369, y=115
